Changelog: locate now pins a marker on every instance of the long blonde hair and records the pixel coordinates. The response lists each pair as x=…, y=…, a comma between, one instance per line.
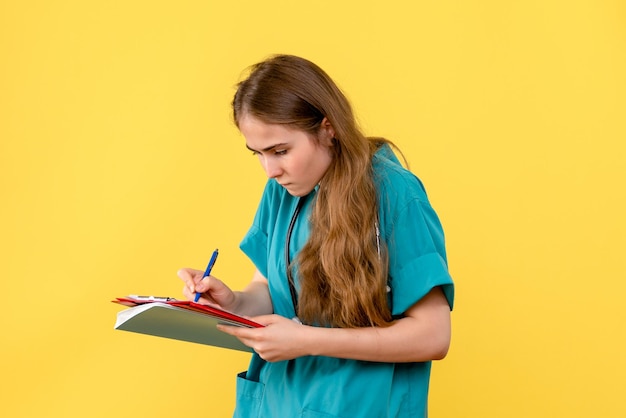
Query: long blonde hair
x=342, y=270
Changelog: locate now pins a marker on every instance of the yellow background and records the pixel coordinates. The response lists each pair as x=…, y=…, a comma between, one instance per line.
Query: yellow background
x=119, y=164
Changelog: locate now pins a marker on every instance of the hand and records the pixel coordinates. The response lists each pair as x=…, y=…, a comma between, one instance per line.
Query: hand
x=214, y=291
x=280, y=339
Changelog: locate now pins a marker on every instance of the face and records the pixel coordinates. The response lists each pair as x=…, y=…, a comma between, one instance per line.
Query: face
x=296, y=159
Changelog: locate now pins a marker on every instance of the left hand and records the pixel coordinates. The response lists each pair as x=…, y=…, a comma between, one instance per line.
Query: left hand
x=280, y=339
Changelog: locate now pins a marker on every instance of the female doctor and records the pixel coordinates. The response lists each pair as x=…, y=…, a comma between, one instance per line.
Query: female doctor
x=351, y=274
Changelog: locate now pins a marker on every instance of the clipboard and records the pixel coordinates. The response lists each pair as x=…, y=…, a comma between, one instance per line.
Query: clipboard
x=180, y=320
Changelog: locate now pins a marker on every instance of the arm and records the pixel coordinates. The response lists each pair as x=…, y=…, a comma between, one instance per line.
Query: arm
x=422, y=335
x=253, y=300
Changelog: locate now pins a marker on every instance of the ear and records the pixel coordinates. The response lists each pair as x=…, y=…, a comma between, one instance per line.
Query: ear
x=327, y=132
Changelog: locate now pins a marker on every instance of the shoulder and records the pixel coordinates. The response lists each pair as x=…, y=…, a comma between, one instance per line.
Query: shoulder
x=274, y=195
x=273, y=189
x=274, y=201
x=395, y=182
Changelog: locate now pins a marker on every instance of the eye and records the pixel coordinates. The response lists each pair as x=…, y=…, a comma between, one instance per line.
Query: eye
x=280, y=152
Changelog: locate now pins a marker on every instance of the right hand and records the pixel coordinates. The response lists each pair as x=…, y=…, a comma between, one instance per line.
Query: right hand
x=213, y=290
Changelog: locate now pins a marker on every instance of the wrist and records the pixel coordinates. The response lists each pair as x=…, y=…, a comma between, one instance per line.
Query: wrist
x=312, y=342
x=236, y=302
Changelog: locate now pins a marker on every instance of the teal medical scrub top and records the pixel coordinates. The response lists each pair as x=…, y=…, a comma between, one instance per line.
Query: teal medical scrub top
x=317, y=386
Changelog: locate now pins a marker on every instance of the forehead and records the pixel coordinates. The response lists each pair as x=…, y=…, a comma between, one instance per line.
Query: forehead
x=260, y=135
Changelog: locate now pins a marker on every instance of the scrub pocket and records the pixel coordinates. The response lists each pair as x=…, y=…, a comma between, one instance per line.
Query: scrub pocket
x=249, y=396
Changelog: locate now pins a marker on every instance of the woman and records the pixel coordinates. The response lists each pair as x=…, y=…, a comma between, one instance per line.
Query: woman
x=351, y=281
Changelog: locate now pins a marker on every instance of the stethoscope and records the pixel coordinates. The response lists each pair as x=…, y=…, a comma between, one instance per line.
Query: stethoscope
x=292, y=286
x=290, y=281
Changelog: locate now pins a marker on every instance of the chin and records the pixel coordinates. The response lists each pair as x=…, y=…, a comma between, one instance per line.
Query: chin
x=296, y=192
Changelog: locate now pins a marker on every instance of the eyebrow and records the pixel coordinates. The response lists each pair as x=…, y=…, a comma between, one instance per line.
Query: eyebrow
x=271, y=147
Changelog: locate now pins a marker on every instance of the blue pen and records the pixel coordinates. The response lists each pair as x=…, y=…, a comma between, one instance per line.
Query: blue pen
x=207, y=272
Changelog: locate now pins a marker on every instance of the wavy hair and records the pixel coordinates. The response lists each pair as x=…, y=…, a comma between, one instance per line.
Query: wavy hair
x=342, y=273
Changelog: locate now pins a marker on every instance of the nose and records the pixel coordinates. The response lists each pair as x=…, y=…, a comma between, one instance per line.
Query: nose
x=272, y=168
